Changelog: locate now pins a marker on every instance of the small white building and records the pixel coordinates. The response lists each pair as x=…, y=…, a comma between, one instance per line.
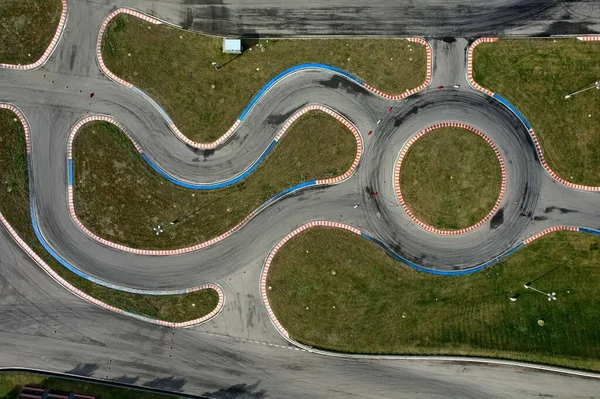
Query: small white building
x=232, y=46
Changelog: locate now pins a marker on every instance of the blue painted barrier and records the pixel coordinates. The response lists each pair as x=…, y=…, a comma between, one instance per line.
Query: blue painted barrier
x=288, y=71
x=439, y=272
x=256, y=97
x=70, y=171
x=501, y=256
x=589, y=231
x=513, y=109
x=79, y=273
x=293, y=188
x=215, y=185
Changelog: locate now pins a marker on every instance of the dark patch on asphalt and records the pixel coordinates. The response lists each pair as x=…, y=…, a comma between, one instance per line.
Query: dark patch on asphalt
x=187, y=19
x=526, y=215
x=91, y=341
x=396, y=248
x=392, y=245
x=397, y=18
x=292, y=367
x=195, y=150
x=171, y=383
x=279, y=119
x=203, y=153
x=339, y=82
x=498, y=219
x=126, y=380
x=448, y=39
x=242, y=390
x=374, y=200
x=84, y=369
x=561, y=210
x=211, y=18
x=525, y=193
x=202, y=2
x=72, y=59
x=539, y=218
x=567, y=28
x=413, y=111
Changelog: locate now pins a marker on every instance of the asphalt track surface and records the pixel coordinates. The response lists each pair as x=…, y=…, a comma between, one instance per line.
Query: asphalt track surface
x=431, y=18
x=239, y=353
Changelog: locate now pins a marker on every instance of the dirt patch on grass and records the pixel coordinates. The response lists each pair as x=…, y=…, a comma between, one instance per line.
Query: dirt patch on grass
x=175, y=68
x=373, y=304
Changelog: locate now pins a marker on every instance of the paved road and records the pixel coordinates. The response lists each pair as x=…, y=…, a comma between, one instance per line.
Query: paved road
x=247, y=354
x=44, y=327
x=432, y=18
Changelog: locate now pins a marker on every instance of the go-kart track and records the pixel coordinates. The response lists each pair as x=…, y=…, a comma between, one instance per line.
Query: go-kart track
x=239, y=352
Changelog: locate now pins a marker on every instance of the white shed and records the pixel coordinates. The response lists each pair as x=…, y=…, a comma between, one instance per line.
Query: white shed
x=232, y=46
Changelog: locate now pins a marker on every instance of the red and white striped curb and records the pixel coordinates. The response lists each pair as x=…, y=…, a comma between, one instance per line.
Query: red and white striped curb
x=49, y=50
x=103, y=26
x=23, y=121
x=548, y=230
x=416, y=89
x=82, y=294
x=286, y=126
x=403, y=153
x=589, y=38
x=341, y=119
x=233, y=128
x=538, y=147
x=112, y=76
x=556, y=177
x=470, y=79
x=204, y=146
x=269, y=260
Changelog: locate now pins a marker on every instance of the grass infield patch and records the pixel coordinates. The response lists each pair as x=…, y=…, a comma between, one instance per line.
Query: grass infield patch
x=334, y=290
x=12, y=382
x=450, y=178
x=120, y=198
x=14, y=205
x=175, y=68
x=27, y=28
x=535, y=75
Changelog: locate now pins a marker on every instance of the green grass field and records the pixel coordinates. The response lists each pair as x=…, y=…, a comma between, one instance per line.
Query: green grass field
x=14, y=205
x=12, y=382
x=316, y=146
x=535, y=75
x=332, y=289
x=27, y=28
x=450, y=178
x=174, y=67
